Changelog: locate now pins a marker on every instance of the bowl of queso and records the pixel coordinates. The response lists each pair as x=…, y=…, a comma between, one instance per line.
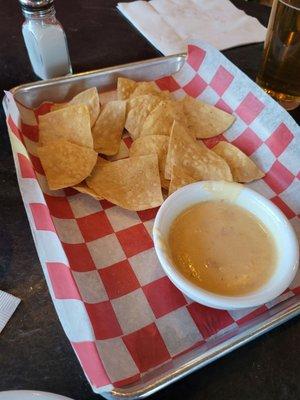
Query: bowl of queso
x=225, y=245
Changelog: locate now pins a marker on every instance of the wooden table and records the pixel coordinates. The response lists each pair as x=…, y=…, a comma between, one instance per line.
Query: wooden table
x=34, y=351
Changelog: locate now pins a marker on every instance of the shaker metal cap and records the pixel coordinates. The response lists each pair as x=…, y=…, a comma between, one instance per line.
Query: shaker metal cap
x=35, y=5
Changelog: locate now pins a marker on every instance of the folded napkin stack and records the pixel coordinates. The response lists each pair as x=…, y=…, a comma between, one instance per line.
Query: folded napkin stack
x=169, y=24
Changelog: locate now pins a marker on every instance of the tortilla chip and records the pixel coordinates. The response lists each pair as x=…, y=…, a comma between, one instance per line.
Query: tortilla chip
x=165, y=183
x=132, y=183
x=108, y=129
x=122, y=153
x=143, y=88
x=178, y=140
x=65, y=163
x=205, y=120
x=160, y=120
x=105, y=97
x=71, y=123
x=88, y=97
x=58, y=106
x=83, y=188
x=157, y=144
x=138, y=109
x=194, y=158
x=242, y=167
x=125, y=88
x=179, y=179
x=100, y=161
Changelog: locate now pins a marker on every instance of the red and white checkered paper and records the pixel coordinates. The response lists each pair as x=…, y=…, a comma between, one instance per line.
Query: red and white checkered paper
x=120, y=312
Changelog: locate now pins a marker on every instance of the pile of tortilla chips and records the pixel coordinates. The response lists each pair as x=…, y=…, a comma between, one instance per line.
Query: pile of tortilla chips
x=81, y=145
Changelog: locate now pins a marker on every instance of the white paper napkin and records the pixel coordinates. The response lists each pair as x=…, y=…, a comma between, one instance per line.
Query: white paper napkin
x=168, y=24
x=8, y=305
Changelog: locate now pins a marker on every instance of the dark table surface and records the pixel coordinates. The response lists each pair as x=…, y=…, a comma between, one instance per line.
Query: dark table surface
x=34, y=351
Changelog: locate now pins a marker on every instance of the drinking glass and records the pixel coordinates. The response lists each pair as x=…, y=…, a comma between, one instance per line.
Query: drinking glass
x=279, y=73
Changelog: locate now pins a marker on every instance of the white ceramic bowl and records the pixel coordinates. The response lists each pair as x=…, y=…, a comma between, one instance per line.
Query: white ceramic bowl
x=266, y=211
x=30, y=395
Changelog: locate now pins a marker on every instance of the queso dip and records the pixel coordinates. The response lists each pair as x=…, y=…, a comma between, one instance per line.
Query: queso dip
x=222, y=248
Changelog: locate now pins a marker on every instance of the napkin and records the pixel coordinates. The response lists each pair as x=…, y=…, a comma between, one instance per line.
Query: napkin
x=8, y=305
x=169, y=24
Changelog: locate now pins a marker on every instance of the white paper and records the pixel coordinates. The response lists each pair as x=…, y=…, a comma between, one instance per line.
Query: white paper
x=8, y=305
x=169, y=24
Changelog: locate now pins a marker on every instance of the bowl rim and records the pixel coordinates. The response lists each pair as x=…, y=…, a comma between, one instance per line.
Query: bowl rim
x=210, y=299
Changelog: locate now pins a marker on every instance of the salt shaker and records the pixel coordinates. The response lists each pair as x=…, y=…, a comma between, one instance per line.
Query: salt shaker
x=45, y=39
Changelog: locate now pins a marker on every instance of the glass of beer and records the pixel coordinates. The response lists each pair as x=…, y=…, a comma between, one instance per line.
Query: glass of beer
x=279, y=74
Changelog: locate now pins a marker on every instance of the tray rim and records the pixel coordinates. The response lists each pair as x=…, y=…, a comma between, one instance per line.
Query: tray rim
x=180, y=57
x=254, y=330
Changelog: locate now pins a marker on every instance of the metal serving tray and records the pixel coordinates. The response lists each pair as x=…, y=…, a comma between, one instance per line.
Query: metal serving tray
x=60, y=89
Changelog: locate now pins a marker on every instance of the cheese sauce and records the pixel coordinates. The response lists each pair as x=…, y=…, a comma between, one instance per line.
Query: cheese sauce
x=222, y=248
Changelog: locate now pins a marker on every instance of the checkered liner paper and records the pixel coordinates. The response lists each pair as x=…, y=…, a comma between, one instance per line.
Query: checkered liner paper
x=120, y=312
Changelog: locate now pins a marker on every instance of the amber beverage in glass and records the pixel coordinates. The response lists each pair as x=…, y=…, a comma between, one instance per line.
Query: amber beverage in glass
x=279, y=74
